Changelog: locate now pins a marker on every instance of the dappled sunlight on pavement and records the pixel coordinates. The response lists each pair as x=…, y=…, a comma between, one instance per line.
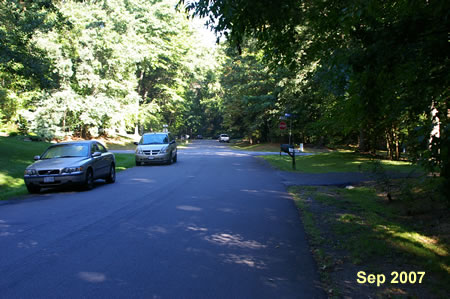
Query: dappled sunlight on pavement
x=233, y=240
x=93, y=277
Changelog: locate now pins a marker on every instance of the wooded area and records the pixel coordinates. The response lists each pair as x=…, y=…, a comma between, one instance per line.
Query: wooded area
x=369, y=73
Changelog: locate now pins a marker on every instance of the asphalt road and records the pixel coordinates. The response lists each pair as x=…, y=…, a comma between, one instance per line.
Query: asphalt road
x=217, y=224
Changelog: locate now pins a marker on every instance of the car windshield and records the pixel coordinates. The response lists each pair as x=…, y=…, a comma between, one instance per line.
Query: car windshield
x=66, y=151
x=154, y=139
x=224, y=135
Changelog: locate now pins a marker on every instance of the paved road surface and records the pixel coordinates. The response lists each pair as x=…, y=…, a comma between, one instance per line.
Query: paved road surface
x=217, y=224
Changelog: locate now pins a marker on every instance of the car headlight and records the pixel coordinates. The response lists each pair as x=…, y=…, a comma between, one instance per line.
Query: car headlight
x=163, y=150
x=30, y=172
x=72, y=169
x=139, y=151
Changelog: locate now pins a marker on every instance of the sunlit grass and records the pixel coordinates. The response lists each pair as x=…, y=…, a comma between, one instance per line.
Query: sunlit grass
x=270, y=147
x=124, y=161
x=336, y=162
x=259, y=147
x=417, y=243
x=121, y=143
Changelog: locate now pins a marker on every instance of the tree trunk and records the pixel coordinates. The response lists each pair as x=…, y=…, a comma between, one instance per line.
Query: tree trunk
x=362, y=145
x=389, y=145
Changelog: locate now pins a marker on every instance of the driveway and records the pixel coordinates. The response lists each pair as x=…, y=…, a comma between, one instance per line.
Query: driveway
x=217, y=224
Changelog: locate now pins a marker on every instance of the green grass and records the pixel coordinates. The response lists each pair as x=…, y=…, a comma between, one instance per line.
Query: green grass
x=270, y=147
x=16, y=154
x=336, y=162
x=121, y=143
x=376, y=234
x=124, y=161
x=260, y=147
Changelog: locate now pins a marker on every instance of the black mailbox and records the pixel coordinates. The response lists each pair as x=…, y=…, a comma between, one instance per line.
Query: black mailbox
x=285, y=148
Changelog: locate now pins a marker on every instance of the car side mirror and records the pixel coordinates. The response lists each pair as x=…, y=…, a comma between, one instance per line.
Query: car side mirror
x=136, y=143
x=37, y=158
x=172, y=142
x=96, y=154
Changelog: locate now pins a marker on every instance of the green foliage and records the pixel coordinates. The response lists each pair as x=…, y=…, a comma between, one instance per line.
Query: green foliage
x=24, y=67
x=249, y=95
x=366, y=72
x=87, y=68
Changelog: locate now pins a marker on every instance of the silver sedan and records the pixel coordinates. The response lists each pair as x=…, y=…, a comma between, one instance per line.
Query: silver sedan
x=79, y=162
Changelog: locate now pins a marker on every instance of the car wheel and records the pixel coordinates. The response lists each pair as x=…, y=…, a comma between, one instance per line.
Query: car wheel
x=112, y=175
x=170, y=159
x=175, y=158
x=89, y=182
x=33, y=189
x=138, y=163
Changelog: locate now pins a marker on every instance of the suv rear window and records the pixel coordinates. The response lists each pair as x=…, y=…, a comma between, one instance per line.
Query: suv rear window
x=224, y=135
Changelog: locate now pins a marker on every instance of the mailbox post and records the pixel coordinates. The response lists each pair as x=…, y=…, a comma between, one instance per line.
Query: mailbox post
x=290, y=150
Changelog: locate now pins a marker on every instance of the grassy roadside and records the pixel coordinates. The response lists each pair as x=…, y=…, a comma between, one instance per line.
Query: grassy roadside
x=16, y=154
x=270, y=147
x=120, y=143
x=352, y=230
x=336, y=162
x=260, y=147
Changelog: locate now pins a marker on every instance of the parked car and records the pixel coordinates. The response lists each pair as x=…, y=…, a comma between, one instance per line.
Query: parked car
x=77, y=162
x=156, y=148
x=224, y=138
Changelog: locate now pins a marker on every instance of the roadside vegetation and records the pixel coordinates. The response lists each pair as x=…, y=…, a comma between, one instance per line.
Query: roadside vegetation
x=359, y=229
x=339, y=161
x=16, y=154
x=272, y=147
x=121, y=142
x=258, y=147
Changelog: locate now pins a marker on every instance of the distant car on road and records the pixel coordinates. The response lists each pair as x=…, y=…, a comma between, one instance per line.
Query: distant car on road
x=224, y=138
x=199, y=136
x=77, y=162
x=156, y=148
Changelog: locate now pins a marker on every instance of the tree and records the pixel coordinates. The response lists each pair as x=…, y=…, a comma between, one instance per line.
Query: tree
x=250, y=94
x=24, y=67
x=388, y=61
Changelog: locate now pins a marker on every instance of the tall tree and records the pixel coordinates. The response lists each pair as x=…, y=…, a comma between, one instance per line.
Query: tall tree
x=392, y=57
x=24, y=67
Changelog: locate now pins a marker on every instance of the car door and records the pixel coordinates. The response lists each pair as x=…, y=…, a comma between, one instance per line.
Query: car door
x=97, y=162
x=173, y=145
x=105, y=159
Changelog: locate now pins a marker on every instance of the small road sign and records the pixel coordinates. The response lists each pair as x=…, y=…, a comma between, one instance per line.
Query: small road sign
x=282, y=125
